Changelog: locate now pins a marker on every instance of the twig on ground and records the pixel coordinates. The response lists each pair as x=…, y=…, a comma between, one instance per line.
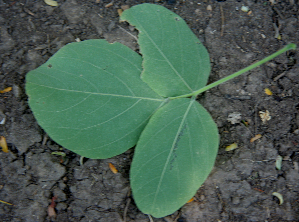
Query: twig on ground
x=279, y=76
x=126, y=209
x=276, y=29
x=45, y=139
x=128, y=32
x=150, y=218
x=278, y=12
x=222, y=21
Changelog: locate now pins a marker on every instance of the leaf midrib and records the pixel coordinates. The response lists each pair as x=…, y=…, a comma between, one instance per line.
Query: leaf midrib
x=97, y=93
x=171, y=152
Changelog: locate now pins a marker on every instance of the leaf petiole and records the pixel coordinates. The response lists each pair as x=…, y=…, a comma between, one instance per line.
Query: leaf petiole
x=242, y=71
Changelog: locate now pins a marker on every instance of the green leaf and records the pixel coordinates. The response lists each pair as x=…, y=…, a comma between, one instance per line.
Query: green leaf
x=173, y=157
x=175, y=62
x=90, y=99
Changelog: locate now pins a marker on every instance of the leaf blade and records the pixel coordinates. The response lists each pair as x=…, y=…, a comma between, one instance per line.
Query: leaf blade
x=88, y=104
x=175, y=62
x=173, y=157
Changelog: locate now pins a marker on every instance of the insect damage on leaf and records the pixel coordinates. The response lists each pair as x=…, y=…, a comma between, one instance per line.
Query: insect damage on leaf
x=176, y=143
x=180, y=143
x=173, y=62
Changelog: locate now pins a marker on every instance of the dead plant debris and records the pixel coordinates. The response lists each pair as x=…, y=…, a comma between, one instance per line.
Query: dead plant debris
x=3, y=144
x=265, y=116
x=256, y=137
x=113, y=168
x=6, y=90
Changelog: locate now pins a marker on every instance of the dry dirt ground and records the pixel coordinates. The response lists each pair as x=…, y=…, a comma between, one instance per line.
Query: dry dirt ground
x=241, y=184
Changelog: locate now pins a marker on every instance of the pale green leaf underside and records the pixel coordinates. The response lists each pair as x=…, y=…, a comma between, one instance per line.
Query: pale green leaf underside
x=90, y=99
x=175, y=61
x=173, y=157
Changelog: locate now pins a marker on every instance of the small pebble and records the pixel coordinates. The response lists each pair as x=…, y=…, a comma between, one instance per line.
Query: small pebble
x=61, y=206
x=125, y=7
x=244, y=8
x=16, y=91
x=109, y=5
x=202, y=197
x=236, y=200
x=111, y=26
x=296, y=131
x=132, y=28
